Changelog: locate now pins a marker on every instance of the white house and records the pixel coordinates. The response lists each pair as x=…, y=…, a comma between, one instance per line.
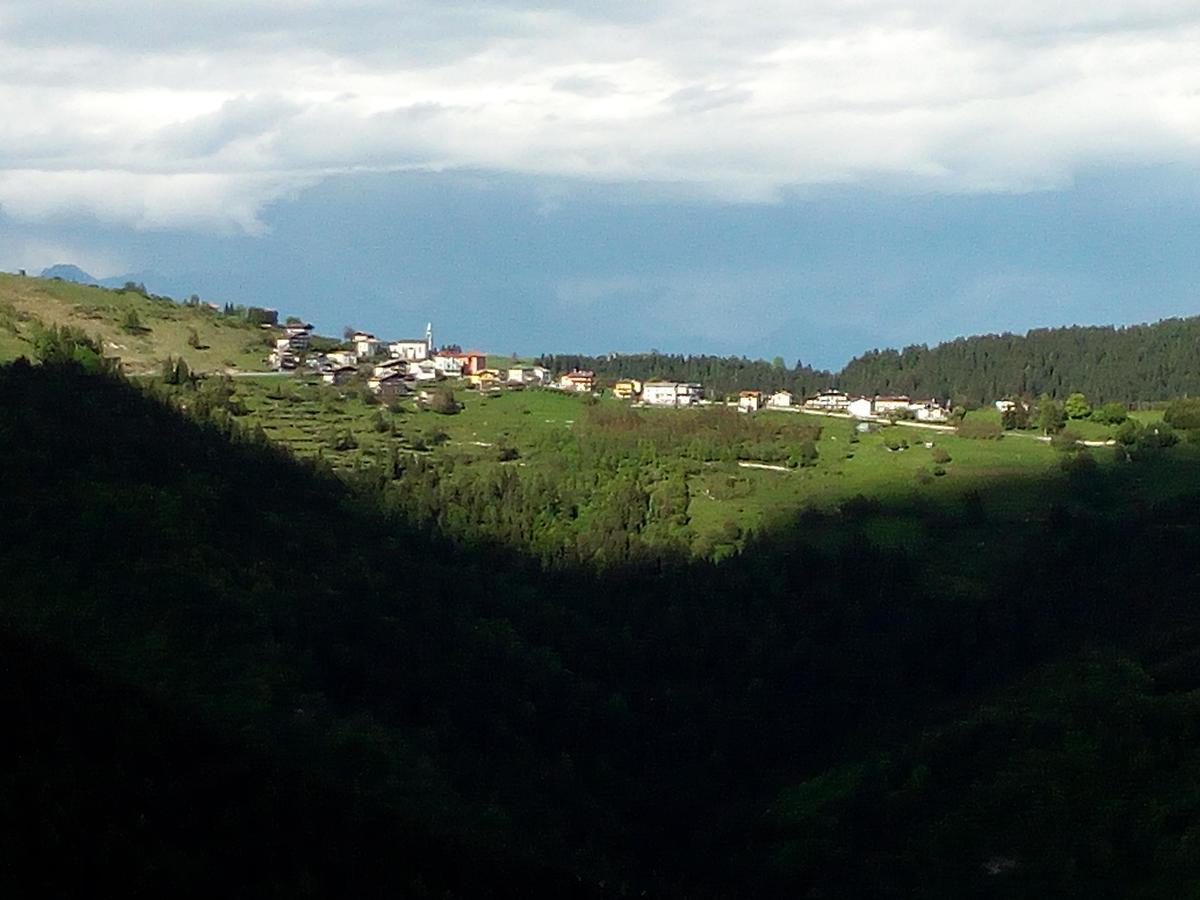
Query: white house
x=930, y=411
x=828, y=400
x=388, y=386
x=861, y=408
x=412, y=349
x=389, y=367
x=780, y=400
x=339, y=375
x=423, y=370
x=541, y=375
x=342, y=357
x=366, y=346
x=282, y=358
x=749, y=401
x=671, y=393
x=450, y=365
x=297, y=335
x=892, y=404
x=579, y=380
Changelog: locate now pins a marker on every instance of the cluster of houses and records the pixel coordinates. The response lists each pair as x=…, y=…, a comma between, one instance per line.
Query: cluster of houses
x=396, y=365
x=880, y=406
x=648, y=393
x=678, y=393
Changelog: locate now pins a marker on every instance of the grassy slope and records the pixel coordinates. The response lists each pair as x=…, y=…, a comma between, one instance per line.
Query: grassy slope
x=753, y=499
x=224, y=343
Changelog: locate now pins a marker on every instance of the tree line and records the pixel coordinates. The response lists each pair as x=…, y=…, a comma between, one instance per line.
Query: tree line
x=1130, y=364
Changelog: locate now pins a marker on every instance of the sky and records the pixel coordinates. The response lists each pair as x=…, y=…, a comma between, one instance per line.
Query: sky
x=803, y=179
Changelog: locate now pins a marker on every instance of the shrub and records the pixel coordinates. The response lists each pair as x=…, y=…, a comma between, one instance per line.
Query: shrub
x=442, y=401
x=980, y=430
x=1111, y=413
x=940, y=455
x=1157, y=437
x=343, y=440
x=131, y=323
x=1066, y=441
x=1017, y=417
x=804, y=455
x=1183, y=413
x=1127, y=432
x=895, y=442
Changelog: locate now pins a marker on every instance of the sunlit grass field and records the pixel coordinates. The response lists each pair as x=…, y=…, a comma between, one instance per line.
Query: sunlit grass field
x=726, y=497
x=224, y=343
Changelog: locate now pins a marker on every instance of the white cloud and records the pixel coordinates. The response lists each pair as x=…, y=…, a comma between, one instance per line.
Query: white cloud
x=200, y=115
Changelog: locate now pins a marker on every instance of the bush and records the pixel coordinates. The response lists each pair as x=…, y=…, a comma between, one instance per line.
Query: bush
x=895, y=442
x=804, y=455
x=1015, y=418
x=1110, y=414
x=940, y=455
x=1157, y=437
x=981, y=430
x=131, y=323
x=1128, y=432
x=442, y=401
x=506, y=453
x=1077, y=407
x=1066, y=441
x=1183, y=413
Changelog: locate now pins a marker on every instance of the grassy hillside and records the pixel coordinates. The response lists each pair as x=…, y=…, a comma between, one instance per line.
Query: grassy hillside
x=225, y=343
x=721, y=492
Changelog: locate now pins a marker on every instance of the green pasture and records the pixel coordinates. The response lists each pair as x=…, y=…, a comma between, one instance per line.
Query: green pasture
x=727, y=502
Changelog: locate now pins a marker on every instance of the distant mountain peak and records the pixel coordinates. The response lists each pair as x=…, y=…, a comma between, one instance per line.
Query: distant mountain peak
x=69, y=272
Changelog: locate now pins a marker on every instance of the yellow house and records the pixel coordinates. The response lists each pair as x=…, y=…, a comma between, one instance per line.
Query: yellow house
x=627, y=389
x=484, y=378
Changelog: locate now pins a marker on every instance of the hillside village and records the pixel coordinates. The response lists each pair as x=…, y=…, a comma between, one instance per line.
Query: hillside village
x=393, y=367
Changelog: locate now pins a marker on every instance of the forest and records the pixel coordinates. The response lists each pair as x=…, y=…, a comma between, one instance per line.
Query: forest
x=1133, y=364
x=235, y=670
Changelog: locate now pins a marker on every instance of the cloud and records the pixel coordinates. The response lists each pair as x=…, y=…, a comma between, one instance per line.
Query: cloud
x=212, y=202
x=202, y=118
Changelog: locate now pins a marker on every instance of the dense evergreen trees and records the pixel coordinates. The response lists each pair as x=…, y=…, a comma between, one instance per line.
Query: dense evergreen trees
x=1134, y=364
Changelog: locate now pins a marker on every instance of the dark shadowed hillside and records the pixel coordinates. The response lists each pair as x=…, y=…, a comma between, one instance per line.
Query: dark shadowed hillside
x=233, y=672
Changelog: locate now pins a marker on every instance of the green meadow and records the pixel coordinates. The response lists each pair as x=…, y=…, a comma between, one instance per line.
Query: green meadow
x=543, y=436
